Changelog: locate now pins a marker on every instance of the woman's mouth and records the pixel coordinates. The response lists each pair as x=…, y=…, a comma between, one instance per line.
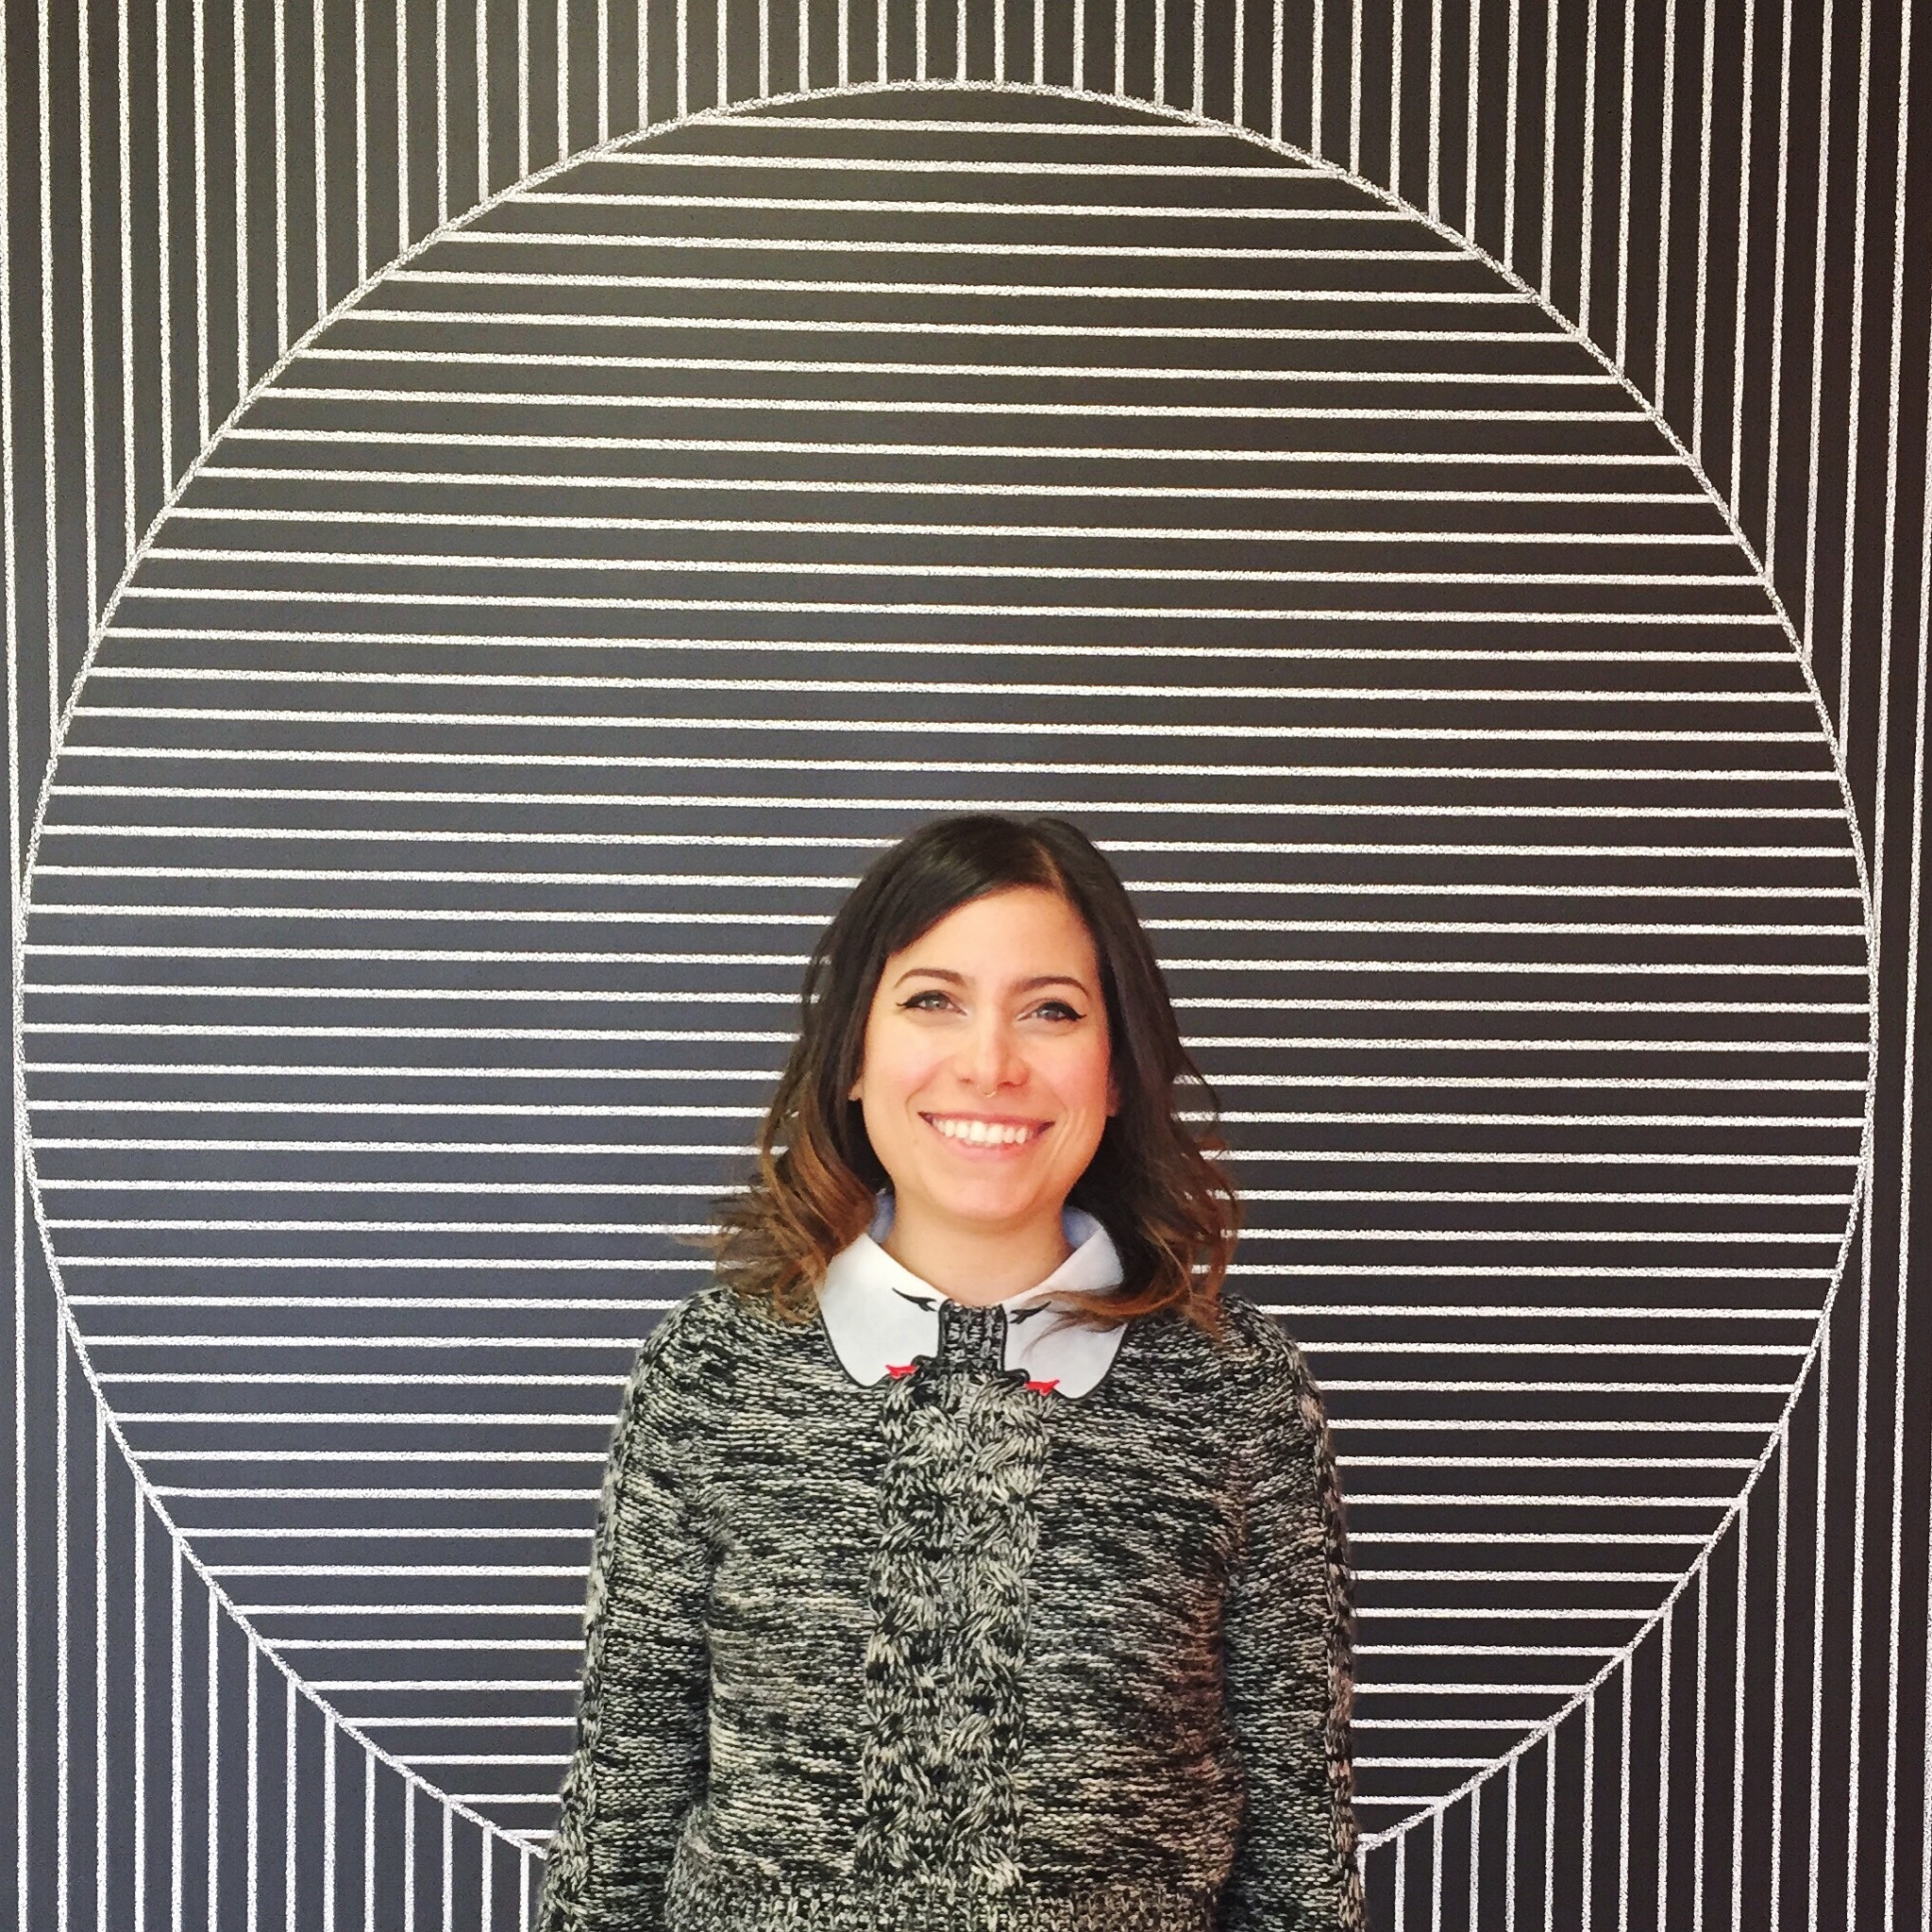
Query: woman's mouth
x=968, y=1130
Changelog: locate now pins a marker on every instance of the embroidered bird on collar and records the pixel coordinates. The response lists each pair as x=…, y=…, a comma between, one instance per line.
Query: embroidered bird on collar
x=879, y=1316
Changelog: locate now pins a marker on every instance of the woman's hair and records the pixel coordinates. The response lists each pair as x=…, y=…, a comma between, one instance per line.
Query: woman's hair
x=1169, y=1209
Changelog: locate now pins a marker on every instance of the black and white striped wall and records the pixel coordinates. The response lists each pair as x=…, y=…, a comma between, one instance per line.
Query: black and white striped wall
x=509, y=503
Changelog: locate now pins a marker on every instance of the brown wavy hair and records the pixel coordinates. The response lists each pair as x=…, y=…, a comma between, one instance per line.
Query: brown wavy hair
x=1153, y=1183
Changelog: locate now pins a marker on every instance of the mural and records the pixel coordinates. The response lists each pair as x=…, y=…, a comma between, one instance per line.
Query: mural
x=508, y=509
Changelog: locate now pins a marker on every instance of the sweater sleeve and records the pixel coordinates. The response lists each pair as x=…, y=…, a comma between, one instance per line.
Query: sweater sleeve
x=640, y=1756
x=1288, y=1650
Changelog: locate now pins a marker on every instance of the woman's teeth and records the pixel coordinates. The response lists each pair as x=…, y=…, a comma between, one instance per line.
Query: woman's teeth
x=984, y=1132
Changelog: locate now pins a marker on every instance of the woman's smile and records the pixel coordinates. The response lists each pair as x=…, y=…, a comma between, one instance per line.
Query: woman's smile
x=977, y=1133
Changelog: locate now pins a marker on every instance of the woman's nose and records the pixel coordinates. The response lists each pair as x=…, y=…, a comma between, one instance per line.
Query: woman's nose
x=992, y=1058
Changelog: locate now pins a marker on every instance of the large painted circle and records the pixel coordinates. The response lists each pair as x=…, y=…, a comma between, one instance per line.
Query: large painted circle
x=481, y=742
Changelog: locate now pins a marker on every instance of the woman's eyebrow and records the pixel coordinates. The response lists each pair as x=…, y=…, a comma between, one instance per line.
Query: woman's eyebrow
x=1032, y=985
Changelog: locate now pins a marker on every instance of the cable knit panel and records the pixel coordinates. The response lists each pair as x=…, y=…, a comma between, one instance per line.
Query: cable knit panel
x=949, y=1585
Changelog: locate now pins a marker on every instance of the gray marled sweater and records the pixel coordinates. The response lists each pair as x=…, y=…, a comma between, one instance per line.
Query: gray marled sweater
x=952, y=1653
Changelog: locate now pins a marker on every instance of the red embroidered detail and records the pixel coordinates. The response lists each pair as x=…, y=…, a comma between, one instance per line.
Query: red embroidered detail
x=1041, y=1387
x=897, y=1368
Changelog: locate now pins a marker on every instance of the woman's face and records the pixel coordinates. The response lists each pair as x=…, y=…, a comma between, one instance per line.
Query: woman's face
x=985, y=1075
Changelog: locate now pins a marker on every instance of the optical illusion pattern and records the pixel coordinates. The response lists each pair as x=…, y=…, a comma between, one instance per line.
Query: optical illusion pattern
x=486, y=729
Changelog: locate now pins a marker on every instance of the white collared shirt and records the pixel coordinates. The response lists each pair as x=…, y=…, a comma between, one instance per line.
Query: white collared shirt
x=879, y=1315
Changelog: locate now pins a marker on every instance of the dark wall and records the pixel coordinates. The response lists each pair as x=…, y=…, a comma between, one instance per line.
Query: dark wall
x=1460, y=543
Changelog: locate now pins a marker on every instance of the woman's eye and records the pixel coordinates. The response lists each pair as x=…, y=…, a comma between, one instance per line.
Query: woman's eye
x=1056, y=1009
x=932, y=1001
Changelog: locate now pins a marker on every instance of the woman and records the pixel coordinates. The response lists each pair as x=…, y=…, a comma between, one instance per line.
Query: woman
x=966, y=1560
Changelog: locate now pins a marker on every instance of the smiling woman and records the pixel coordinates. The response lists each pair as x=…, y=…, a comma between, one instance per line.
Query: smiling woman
x=966, y=1559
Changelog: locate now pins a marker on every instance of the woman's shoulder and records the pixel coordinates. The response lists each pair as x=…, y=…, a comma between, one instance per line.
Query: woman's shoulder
x=1266, y=1363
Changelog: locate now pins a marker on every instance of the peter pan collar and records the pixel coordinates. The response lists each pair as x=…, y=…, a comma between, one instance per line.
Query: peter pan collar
x=879, y=1315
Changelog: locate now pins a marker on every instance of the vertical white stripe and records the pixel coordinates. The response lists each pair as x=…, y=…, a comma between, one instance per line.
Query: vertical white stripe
x=487, y=1915
x=281, y=176
x=368, y=1761
x=1160, y=83
x=102, y=1666
x=1821, y=263
x=329, y=1803
x=1435, y=108
x=1700, y=325
x=360, y=55
x=563, y=72
x=64, y=1650
x=448, y=1872
x=321, y=132
x=724, y=52
x=1665, y=169
x=1781, y=269
x=441, y=111
x=198, y=68
x=164, y=327
x=1472, y=120
x=845, y=40
x=128, y=364
x=1627, y=114
x=1747, y=88
x=1199, y=56
x=1854, y=441
x=1587, y=187
x=409, y=1855
x=1119, y=44
x=644, y=65
x=483, y=98
x=90, y=465
x=764, y=45
x=176, y=1721
x=1238, y=111
x=49, y=452
x=523, y=103
x=1511, y=75
x=1509, y=1840
x=1040, y=44
x=1080, y=24
x=142, y=1821
x=1474, y=1801
x=1318, y=55
x=1914, y=851
x=1549, y=1832
x=1436, y=1873
x=214, y=1736
x=1700, y=1757
x=290, y=1769
x=603, y=71
x=252, y=1920
x=959, y=40
x=919, y=52
x=237, y=27
x=403, y=126
x=1395, y=86
x=1780, y=1660
x=1589, y=1803
x=1818, y=1628
x=1912, y=981
x=1551, y=35
x=1741, y=1651
x=1277, y=78
x=1355, y=85
x=1402, y=1881
x=1623, y=1801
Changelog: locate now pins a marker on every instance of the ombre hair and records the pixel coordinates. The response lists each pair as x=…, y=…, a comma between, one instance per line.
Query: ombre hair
x=1152, y=1183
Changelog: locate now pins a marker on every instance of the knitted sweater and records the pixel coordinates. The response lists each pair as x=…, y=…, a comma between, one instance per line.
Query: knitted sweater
x=955, y=1654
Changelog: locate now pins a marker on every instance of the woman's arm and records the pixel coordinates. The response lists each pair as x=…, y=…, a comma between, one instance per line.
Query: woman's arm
x=640, y=1758
x=1288, y=1648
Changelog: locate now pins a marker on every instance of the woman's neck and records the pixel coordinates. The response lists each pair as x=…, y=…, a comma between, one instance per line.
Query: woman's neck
x=973, y=1267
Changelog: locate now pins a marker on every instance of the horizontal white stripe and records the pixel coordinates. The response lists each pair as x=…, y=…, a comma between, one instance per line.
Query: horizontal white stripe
x=314, y=518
